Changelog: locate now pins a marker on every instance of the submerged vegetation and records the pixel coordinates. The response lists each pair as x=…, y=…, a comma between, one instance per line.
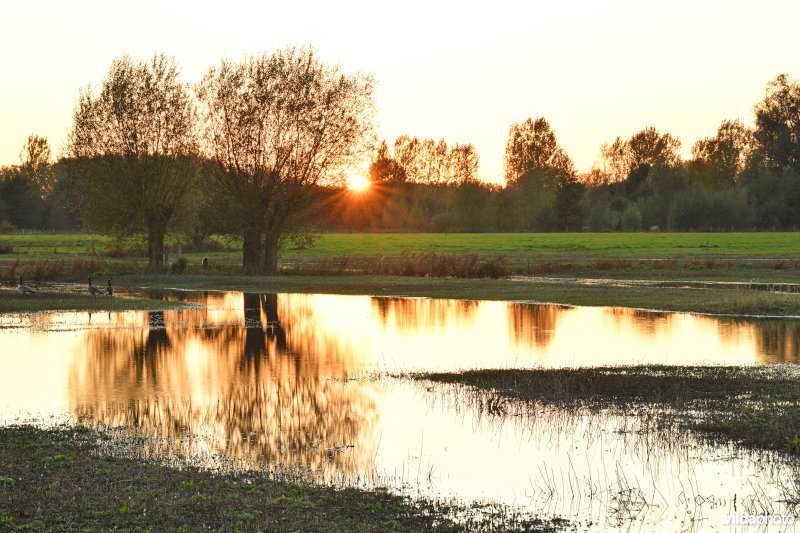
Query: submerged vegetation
x=756, y=406
x=57, y=480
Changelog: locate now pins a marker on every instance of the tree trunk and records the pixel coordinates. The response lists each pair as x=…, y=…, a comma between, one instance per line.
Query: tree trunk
x=251, y=248
x=155, y=246
x=271, y=252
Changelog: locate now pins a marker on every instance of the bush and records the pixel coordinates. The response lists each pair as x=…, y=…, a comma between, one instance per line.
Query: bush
x=179, y=266
x=7, y=227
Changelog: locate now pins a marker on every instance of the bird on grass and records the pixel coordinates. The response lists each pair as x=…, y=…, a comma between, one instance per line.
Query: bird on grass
x=24, y=289
x=94, y=291
x=109, y=289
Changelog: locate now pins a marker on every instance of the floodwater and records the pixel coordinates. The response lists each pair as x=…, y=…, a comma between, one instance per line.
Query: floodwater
x=300, y=383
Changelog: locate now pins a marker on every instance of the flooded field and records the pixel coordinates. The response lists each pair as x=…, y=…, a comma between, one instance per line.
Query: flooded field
x=302, y=385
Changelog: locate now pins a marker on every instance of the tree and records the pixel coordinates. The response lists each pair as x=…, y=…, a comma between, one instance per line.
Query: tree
x=532, y=147
x=22, y=203
x=132, y=150
x=385, y=169
x=433, y=162
x=463, y=164
x=633, y=158
x=777, y=129
x=277, y=126
x=36, y=161
x=718, y=161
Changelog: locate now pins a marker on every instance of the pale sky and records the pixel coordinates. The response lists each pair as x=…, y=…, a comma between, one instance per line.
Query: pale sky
x=462, y=71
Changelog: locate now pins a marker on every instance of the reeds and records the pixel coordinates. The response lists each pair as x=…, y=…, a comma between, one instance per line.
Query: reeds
x=420, y=264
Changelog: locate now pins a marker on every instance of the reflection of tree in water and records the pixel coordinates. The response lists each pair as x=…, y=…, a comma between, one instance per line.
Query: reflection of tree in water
x=645, y=322
x=416, y=314
x=245, y=387
x=534, y=324
x=779, y=340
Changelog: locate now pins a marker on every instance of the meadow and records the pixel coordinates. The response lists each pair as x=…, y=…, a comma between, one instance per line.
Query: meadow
x=661, y=270
x=642, y=245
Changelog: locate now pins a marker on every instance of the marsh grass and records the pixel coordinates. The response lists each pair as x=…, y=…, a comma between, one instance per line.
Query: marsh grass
x=56, y=479
x=756, y=406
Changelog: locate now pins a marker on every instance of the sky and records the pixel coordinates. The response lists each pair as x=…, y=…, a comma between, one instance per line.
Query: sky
x=462, y=71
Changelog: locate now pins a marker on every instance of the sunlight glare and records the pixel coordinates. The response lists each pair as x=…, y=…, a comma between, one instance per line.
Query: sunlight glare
x=357, y=183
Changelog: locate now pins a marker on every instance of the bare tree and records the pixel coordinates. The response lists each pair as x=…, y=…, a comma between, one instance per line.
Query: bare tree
x=276, y=126
x=132, y=150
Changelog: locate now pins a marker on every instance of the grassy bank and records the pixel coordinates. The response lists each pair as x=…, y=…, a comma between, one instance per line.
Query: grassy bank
x=718, y=301
x=12, y=302
x=733, y=301
x=54, y=480
x=756, y=406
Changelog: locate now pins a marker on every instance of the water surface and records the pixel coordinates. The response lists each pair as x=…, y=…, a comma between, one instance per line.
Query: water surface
x=293, y=381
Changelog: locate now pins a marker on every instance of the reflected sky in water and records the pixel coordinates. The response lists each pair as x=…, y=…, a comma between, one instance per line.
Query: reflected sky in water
x=289, y=380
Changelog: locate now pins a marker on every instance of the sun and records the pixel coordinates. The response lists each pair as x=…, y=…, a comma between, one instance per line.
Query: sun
x=357, y=183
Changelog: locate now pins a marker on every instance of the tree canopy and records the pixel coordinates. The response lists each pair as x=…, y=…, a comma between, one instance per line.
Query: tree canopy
x=132, y=150
x=276, y=126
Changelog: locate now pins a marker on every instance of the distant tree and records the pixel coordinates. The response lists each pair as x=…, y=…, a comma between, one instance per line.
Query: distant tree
x=569, y=205
x=36, y=161
x=433, y=162
x=718, y=161
x=407, y=153
x=633, y=158
x=532, y=147
x=463, y=164
x=385, y=169
x=709, y=210
x=777, y=130
x=774, y=194
x=132, y=150
x=21, y=201
x=276, y=126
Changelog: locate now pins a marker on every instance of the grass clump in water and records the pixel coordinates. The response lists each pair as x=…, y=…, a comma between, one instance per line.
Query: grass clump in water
x=756, y=406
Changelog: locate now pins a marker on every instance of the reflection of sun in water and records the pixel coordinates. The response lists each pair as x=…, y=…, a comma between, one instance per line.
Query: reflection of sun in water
x=357, y=183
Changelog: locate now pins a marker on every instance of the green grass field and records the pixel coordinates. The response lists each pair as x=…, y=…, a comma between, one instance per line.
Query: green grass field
x=630, y=245
x=638, y=245
x=368, y=264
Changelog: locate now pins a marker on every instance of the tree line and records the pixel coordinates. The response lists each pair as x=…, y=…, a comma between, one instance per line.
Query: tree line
x=261, y=148
x=740, y=179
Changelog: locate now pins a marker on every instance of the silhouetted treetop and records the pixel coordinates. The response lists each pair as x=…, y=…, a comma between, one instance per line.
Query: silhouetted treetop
x=531, y=147
x=777, y=128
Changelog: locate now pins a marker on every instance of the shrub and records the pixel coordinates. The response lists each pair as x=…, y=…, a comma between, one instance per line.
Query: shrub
x=179, y=266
